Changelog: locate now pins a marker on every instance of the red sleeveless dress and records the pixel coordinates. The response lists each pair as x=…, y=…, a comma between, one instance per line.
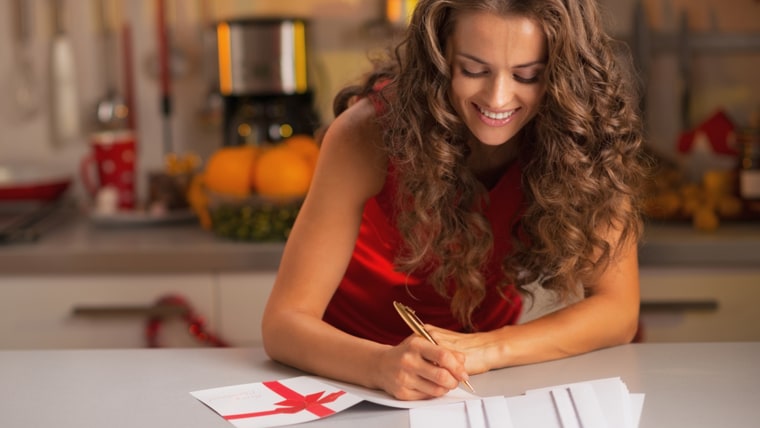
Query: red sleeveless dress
x=363, y=303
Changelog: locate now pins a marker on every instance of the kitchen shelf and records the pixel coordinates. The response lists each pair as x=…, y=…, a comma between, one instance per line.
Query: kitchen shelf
x=685, y=43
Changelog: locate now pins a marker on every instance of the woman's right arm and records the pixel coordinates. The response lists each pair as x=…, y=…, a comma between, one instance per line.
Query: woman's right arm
x=351, y=169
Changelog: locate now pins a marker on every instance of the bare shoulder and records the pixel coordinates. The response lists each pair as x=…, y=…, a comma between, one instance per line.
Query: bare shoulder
x=357, y=124
x=353, y=143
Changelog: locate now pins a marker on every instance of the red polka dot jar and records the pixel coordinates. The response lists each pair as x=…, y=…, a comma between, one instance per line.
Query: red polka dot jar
x=111, y=165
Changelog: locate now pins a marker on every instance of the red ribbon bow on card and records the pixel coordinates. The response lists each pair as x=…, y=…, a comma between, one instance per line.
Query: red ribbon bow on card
x=294, y=402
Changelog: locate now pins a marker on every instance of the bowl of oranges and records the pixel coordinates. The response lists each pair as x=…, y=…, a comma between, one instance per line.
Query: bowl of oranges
x=253, y=193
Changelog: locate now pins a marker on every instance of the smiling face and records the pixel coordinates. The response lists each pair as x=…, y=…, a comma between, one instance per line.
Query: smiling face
x=497, y=73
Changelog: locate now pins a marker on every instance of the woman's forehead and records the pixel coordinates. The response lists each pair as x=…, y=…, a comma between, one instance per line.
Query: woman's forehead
x=491, y=37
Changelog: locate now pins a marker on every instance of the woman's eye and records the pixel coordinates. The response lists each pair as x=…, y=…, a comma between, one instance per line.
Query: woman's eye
x=531, y=79
x=470, y=73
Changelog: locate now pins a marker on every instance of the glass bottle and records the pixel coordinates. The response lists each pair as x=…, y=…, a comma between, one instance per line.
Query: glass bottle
x=748, y=140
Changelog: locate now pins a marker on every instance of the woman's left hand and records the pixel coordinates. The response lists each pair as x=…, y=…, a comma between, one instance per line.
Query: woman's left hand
x=476, y=347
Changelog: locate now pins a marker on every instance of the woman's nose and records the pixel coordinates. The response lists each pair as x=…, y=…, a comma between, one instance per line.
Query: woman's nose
x=501, y=91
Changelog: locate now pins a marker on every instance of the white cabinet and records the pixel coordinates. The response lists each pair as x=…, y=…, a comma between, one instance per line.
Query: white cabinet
x=688, y=304
x=108, y=311
x=700, y=304
x=38, y=311
x=242, y=298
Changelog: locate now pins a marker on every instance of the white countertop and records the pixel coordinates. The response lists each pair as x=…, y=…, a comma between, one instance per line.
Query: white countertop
x=686, y=385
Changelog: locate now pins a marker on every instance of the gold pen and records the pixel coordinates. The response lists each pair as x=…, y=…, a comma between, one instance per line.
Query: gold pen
x=417, y=326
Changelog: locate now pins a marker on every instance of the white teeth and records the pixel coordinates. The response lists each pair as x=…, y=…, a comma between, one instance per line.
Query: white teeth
x=496, y=116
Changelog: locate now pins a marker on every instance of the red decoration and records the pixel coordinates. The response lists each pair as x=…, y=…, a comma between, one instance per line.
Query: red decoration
x=294, y=402
x=196, y=324
x=716, y=128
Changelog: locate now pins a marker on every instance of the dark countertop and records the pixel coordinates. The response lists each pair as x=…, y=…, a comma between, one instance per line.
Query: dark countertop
x=80, y=246
x=735, y=245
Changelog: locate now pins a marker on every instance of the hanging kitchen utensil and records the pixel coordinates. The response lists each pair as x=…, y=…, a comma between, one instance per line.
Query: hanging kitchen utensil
x=64, y=98
x=129, y=80
x=26, y=95
x=164, y=74
x=210, y=113
x=112, y=110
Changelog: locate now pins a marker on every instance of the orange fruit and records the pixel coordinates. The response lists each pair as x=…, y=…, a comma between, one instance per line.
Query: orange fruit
x=282, y=172
x=306, y=145
x=229, y=170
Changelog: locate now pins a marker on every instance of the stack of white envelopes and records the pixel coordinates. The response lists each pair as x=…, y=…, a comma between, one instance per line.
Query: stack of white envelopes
x=603, y=403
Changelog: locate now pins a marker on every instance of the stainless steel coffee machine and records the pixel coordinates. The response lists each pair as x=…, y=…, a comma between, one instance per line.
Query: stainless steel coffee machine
x=264, y=80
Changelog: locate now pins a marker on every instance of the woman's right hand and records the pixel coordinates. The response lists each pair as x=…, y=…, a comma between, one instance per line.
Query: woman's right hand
x=416, y=369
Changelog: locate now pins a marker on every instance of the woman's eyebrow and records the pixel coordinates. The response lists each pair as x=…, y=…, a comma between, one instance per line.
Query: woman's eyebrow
x=530, y=64
x=480, y=61
x=472, y=58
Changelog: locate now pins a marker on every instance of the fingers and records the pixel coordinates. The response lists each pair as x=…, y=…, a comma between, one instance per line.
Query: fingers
x=452, y=362
x=413, y=386
x=474, y=350
x=444, y=339
x=424, y=370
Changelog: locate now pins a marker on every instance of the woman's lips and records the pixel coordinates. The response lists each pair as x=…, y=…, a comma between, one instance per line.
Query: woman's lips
x=494, y=118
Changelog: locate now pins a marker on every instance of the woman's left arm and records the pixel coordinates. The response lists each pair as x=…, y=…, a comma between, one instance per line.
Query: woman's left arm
x=607, y=317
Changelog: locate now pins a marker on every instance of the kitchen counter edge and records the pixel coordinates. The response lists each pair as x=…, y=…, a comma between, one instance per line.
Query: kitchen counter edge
x=81, y=247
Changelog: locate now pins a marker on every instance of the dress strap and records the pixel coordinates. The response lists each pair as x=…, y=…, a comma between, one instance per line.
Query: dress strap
x=377, y=99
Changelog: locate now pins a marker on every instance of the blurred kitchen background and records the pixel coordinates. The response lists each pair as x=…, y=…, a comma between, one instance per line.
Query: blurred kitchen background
x=68, y=69
x=339, y=34
x=704, y=52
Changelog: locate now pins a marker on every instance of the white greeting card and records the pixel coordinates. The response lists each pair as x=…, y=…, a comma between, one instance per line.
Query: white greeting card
x=300, y=399
x=276, y=403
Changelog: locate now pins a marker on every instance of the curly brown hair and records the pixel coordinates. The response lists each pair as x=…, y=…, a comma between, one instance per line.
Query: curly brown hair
x=581, y=156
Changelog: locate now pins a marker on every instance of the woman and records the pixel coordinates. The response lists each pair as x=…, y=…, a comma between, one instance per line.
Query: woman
x=497, y=148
